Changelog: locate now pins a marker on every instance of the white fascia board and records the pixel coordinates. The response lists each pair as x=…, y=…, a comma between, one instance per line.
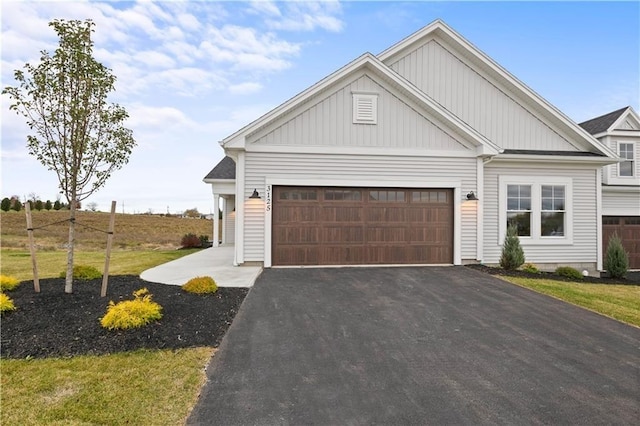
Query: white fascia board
x=556, y=159
x=632, y=189
x=352, y=150
x=442, y=30
x=628, y=112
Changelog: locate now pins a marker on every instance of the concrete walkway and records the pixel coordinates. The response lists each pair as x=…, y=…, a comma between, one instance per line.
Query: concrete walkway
x=215, y=262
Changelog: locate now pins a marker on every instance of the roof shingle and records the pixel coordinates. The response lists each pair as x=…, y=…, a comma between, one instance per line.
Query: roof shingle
x=602, y=123
x=225, y=169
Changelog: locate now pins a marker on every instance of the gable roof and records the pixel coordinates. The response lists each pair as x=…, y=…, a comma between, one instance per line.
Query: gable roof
x=536, y=103
x=225, y=169
x=601, y=124
x=372, y=65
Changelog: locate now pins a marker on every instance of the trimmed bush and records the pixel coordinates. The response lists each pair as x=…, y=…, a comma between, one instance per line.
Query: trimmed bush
x=8, y=283
x=200, y=285
x=512, y=256
x=204, y=241
x=190, y=241
x=6, y=304
x=569, y=272
x=132, y=313
x=83, y=272
x=616, y=260
x=530, y=268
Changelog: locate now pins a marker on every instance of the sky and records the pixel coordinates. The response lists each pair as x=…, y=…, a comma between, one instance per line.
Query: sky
x=191, y=73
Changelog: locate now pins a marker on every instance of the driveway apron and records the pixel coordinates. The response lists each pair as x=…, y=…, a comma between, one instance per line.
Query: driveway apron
x=431, y=345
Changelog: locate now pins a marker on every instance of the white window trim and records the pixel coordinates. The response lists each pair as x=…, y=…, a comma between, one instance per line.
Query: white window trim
x=536, y=183
x=367, y=97
x=633, y=159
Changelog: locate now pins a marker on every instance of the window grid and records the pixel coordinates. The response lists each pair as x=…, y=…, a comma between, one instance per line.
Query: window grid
x=626, y=168
x=519, y=208
x=552, y=211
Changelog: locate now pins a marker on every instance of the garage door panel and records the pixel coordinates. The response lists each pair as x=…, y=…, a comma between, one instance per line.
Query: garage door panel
x=628, y=229
x=333, y=226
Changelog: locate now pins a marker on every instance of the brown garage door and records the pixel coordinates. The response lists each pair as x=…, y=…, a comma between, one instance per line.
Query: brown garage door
x=628, y=229
x=360, y=226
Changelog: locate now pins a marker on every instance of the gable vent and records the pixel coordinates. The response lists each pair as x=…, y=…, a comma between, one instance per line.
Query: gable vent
x=365, y=108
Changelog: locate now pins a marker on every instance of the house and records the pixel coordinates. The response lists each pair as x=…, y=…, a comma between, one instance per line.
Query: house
x=422, y=154
x=620, y=131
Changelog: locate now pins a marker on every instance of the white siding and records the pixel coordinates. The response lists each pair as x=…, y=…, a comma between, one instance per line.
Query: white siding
x=618, y=203
x=584, y=247
x=229, y=218
x=327, y=121
x=375, y=170
x=492, y=111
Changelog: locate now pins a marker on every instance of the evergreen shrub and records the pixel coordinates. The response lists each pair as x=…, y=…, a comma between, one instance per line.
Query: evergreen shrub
x=616, y=260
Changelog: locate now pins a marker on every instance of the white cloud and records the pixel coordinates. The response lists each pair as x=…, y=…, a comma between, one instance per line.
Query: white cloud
x=265, y=7
x=245, y=88
x=308, y=16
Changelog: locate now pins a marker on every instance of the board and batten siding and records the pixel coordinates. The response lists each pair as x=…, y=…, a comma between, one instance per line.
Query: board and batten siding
x=585, y=219
x=492, y=111
x=620, y=203
x=328, y=121
x=375, y=170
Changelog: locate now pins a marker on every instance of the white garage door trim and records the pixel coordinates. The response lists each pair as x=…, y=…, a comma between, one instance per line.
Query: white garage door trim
x=365, y=181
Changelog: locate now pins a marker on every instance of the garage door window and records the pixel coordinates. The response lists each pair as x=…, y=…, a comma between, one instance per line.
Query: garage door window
x=387, y=196
x=429, y=197
x=342, y=195
x=299, y=195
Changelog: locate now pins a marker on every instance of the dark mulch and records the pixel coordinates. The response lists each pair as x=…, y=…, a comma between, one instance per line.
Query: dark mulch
x=632, y=278
x=55, y=324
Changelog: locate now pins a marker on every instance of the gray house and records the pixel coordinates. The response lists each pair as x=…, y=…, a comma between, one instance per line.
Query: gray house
x=422, y=154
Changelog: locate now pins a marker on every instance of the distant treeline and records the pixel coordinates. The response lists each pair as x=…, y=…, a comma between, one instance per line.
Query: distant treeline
x=14, y=203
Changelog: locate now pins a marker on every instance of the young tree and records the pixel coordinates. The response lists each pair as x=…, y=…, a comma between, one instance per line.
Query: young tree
x=92, y=206
x=512, y=256
x=48, y=205
x=57, y=205
x=38, y=205
x=5, y=205
x=77, y=133
x=616, y=260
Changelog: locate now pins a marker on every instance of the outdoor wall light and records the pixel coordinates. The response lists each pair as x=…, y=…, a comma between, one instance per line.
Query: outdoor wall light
x=255, y=195
x=471, y=196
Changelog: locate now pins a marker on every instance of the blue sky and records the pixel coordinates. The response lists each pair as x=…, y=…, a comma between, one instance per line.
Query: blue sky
x=191, y=73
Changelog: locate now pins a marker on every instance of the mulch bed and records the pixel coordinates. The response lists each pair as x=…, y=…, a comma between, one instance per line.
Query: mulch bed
x=631, y=279
x=55, y=324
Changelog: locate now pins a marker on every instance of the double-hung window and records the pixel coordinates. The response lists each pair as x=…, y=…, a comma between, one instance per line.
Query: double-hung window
x=539, y=208
x=626, y=167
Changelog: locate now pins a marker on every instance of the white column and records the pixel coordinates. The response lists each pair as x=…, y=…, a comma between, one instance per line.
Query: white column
x=216, y=231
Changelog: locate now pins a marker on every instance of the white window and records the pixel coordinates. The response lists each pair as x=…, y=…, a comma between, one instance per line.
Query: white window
x=539, y=207
x=626, y=168
x=365, y=108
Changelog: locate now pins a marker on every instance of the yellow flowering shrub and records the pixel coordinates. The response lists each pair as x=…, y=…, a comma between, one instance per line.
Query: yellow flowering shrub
x=6, y=304
x=200, y=285
x=132, y=313
x=8, y=283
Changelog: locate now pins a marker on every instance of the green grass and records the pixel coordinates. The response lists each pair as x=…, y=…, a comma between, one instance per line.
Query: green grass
x=17, y=263
x=621, y=302
x=142, y=388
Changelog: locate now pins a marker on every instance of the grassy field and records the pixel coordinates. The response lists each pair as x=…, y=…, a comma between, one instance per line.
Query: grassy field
x=145, y=387
x=132, y=232
x=621, y=302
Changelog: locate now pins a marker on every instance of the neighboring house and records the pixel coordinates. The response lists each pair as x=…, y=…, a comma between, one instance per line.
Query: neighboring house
x=420, y=155
x=620, y=131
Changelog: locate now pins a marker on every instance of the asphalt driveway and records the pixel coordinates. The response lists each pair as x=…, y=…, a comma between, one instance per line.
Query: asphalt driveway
x=400, y=346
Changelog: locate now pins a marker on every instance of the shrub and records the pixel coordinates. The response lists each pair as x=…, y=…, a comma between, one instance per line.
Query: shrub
x=568, y=272
x=6, y=304
x=204, y=241
x=8, y=283
x=530, y=268
x=5, y=204
x=190, y=241
x=132, y=313
x=512, y=256
x=200, y=285
x=83, y=272
x=616, y=260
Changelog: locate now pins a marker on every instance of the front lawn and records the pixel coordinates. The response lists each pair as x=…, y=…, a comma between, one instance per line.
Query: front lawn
x=136, y=388
x=621, y=302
